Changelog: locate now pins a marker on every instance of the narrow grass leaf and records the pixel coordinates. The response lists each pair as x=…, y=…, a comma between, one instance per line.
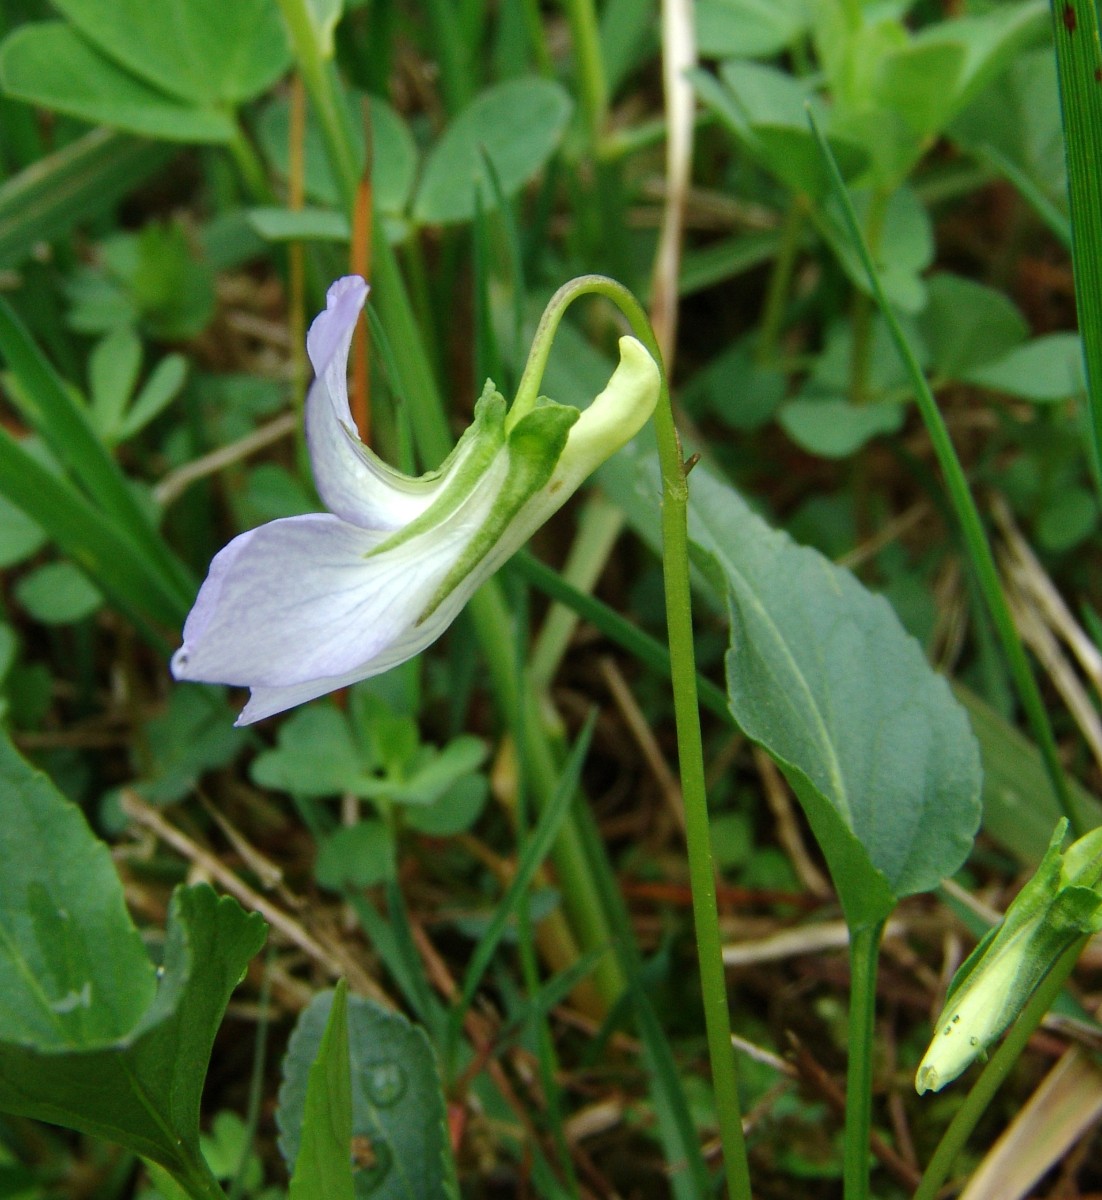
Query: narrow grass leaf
x=66, y=427
x=537, y=848
x=1079, y=64
x=74, y=184
x=688, y=1173
x=118, y=566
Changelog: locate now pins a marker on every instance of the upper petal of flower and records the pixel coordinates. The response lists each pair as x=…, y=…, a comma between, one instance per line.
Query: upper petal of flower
x=351, y=479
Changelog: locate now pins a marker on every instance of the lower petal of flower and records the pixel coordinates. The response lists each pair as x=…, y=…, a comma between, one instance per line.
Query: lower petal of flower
x=299, y=600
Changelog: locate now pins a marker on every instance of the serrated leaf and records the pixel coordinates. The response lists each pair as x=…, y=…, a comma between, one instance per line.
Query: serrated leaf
x=515, y=126
x=399, y=1122
x=90, y=1036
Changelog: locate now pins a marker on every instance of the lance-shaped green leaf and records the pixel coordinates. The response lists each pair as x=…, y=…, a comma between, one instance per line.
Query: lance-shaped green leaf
x=92, y=1036
x=323, y=1168
x=400, y=1144
x=1060, y=903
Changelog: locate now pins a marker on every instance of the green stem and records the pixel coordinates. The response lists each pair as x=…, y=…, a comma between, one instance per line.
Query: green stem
x=599, y=527
x=198, y=1181
x=580, y=894
x=592, y=84
x=450, y=49
x=975, y=539
x=434, y=441
x=250, y=167
x=675, y=565
x=780, y=282
x=320, y=81
x=996, y=1071
x=861, y=349
x=863, y=945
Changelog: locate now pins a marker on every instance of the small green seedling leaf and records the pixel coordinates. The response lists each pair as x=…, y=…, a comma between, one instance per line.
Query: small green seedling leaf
x=356, y=856
x=906, y=245
x=58, y=594
x=765, y=109
x=300, y=224
x=191, y=736
x=967, y=325
x=834, y=428
x=393, y=152
x=323, y=1168
x=315, y=755
x=1045, y=370
x=113, y=368
x=515, y=125
x=400, y=1144
x=158, y=392
x=748, y=28
x=91, y=1035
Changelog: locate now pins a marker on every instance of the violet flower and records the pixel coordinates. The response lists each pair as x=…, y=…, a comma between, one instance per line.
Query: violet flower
x=307, y=604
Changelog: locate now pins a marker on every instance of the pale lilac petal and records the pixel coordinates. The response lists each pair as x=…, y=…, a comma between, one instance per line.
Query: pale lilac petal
x=298, y=600
x=355, y=484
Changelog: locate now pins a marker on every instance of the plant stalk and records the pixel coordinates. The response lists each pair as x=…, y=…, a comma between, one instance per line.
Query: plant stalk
x=434, y=441
x=864, y=944
x=675, y=566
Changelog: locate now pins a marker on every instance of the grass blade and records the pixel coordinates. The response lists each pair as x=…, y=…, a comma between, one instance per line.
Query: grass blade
x=964, y=506
x=1079, y=66
x=79, y=181
x=64, y=425
x=118, y=567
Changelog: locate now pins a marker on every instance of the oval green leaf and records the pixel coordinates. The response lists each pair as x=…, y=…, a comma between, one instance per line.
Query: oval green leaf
x=206, y=52
x=822, y=675
x=515, y=125
x=51, y=65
